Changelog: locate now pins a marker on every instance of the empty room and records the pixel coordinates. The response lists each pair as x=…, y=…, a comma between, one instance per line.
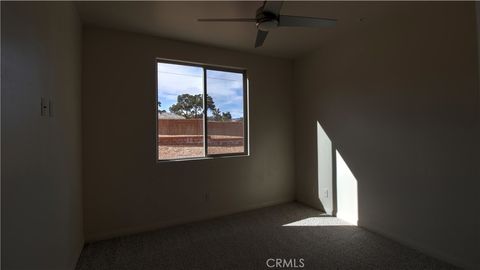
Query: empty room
x=240, y=135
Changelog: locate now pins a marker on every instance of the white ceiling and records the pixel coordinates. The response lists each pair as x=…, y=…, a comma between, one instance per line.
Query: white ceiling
x=178, y=20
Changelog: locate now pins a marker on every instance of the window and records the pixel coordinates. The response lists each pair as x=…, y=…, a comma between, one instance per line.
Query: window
x=201, y=111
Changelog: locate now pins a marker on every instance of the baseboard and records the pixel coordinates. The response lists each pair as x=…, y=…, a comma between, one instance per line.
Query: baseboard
x=422, y=248
x=168, y=223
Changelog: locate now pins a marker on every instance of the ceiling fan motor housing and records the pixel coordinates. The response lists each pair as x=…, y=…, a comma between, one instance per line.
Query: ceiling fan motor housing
x=266, y=21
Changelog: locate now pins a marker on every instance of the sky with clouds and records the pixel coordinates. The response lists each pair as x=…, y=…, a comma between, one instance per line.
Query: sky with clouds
x=226, y=88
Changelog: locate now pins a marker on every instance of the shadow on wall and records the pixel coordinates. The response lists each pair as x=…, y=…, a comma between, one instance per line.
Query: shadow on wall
x=337, y=186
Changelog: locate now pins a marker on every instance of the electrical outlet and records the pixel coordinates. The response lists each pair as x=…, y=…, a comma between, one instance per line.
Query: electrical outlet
x=325, y=193
x=44, y=110
x=46, y=107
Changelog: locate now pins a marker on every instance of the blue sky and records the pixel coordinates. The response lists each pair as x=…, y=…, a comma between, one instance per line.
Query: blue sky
x=226, y=88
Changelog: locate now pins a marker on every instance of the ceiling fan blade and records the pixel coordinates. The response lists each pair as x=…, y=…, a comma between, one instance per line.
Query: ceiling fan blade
x=228, y=20
x=285, y=20
x=272, y=7
x=261, y=36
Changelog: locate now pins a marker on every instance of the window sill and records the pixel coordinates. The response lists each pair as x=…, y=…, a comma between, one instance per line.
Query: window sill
x=204, y=158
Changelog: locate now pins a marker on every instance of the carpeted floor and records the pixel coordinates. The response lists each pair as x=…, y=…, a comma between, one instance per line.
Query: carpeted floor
x=295, y=234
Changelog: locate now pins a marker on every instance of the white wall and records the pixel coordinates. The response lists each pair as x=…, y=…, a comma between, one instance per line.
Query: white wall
x=336, y=185
x=125, y=189
x=398, y=98
x=41, y=163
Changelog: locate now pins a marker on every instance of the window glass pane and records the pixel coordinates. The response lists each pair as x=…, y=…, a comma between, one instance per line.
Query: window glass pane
x=180, y=111
x=225, y=115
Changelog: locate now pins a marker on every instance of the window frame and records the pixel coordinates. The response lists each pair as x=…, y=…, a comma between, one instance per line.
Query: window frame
x=205, y=67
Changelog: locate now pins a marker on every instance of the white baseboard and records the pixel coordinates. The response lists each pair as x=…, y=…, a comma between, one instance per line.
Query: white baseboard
x=163, y=224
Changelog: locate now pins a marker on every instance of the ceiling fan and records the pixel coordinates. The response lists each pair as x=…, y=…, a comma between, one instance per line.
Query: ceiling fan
x=268, y=17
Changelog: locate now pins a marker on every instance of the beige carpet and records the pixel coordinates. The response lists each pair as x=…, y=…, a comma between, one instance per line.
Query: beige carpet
x=293, y=234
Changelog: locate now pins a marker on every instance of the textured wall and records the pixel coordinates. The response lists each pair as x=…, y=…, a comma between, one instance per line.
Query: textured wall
x=398, y=97
x=125, y=189
x=41, y=156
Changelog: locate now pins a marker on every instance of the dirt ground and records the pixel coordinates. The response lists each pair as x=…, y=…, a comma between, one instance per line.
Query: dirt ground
x=176, y=152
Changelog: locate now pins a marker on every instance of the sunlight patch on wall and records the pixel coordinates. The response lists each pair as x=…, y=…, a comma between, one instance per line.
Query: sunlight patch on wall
x=324, y=169
x=347, y=196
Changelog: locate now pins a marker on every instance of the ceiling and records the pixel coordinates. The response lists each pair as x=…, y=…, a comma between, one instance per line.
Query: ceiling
x=178, y=20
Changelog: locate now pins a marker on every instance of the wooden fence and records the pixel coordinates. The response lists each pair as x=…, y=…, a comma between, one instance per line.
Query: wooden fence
x=195, y=127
